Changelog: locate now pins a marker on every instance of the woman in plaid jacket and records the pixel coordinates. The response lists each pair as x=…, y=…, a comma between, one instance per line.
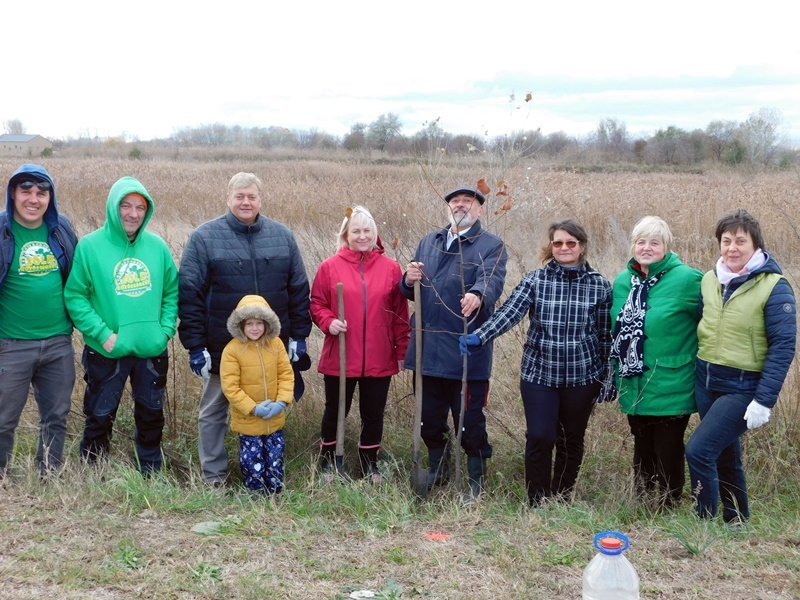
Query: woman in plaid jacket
x=565, y=359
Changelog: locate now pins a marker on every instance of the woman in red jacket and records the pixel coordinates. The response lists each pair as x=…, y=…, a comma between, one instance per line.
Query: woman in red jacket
x=375, y=328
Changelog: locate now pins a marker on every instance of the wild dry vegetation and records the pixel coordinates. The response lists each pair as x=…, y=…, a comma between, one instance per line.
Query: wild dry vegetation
x=109, y=534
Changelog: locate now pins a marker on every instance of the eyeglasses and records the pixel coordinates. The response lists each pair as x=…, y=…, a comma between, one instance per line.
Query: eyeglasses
x=569, y=244
x=42, y=185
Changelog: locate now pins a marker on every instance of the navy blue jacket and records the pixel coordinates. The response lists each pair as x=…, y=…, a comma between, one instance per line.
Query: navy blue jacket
x=60, y=236
x=780, y=319
x=225, y=260
x=485, y=259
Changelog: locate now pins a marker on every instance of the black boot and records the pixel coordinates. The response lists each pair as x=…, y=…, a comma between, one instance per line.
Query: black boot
x=438, y=466
x=476, y=468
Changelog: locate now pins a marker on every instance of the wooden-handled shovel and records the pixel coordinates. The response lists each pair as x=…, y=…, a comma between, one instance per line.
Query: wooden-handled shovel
x=419, y=475
x=339, y=458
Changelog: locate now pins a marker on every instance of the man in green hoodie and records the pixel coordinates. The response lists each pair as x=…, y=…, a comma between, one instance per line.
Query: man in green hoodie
x=122, y=295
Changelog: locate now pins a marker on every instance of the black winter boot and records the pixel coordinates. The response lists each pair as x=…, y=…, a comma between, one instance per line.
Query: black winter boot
x=438, y=466
x=476, y=468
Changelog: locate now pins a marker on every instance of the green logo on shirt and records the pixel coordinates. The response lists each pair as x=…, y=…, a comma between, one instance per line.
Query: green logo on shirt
x=35, y=258
x=131, y=278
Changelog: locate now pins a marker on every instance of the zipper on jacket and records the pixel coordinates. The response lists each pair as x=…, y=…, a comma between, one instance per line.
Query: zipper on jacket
x=253, y=261
x=364, y=299
x=566, y=328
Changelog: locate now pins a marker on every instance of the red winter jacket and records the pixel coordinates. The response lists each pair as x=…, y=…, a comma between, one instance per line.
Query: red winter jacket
x=376, y=312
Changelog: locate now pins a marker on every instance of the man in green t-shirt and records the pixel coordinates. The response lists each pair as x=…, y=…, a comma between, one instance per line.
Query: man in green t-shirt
x=36, y=249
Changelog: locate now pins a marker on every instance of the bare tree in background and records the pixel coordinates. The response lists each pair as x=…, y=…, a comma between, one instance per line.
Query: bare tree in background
x=761, y=134
x=383, y=129
x=611, y=137
x=719, y=136
x=14, y=126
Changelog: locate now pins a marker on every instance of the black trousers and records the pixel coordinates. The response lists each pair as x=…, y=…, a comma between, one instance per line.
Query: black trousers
x=658, y=454
x=555, y=418
x=372, y=394
x=441, y=397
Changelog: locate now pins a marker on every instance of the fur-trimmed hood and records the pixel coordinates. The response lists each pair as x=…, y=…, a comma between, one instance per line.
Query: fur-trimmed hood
x=253, y=307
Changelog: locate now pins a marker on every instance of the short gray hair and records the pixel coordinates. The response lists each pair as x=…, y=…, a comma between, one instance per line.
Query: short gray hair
x=651, y=227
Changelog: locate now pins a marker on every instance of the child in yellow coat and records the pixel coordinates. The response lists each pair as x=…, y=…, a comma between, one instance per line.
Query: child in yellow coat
x=258, y=381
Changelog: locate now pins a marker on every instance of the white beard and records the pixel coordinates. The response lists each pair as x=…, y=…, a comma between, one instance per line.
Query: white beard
x=461, y=221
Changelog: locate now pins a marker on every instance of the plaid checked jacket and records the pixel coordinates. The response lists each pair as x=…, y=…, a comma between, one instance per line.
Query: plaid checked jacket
x=569, y=339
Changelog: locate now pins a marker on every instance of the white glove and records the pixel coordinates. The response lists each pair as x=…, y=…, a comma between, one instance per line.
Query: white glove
x=756, y=415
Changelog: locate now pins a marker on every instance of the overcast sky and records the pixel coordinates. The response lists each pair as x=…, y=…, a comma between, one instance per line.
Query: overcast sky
x=148, y=68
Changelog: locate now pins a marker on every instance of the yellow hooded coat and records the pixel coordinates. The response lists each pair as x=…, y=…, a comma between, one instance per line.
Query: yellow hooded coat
x=254, y=371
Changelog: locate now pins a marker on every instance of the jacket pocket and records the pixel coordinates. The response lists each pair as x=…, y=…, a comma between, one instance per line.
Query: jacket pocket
x=145, y=339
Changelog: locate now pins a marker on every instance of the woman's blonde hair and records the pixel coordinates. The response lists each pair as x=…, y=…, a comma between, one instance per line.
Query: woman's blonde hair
x=361, y=216
x=651, y=227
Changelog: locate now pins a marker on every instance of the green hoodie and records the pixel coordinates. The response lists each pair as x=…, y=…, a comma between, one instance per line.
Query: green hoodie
x=123, y=287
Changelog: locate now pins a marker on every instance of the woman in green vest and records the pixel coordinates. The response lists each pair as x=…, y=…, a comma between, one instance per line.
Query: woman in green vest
x=747, y=339
x=654, y=323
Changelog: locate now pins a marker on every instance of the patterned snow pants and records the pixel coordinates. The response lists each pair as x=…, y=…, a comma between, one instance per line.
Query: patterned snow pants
x=261, y=462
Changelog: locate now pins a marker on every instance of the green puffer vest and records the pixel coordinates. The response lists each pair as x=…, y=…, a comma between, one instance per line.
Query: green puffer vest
x=733, y=334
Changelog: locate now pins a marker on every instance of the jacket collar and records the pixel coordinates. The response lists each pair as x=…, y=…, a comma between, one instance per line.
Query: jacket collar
x=240, y=227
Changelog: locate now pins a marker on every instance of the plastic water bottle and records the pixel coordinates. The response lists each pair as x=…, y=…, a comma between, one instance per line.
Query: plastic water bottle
x=609, y=575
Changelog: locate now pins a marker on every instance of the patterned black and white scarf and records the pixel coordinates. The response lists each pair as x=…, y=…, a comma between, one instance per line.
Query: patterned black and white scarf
x=628, y=343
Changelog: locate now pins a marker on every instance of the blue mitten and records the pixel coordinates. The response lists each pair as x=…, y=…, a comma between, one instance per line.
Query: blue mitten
x=274, y=409
x=466, y=342
x=262, y=410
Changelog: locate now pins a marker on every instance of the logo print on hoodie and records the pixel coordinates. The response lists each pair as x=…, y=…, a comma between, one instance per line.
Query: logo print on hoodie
x=131, y=277
x=35, y=258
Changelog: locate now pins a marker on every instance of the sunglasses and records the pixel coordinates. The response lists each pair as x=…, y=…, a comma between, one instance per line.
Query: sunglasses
x=569, y=244
x=42, y=185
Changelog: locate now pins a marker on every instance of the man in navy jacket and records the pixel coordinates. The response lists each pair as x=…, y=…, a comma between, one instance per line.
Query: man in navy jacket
x=240, y=253
x=462, y=270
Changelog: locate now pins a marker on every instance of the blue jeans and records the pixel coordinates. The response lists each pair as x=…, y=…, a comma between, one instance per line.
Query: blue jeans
x=555, y=418
x=105, y=380
x=714, y=454
x=261, y=461
x=49, y=366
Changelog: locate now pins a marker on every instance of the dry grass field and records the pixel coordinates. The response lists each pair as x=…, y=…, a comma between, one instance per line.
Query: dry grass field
x=109, y=534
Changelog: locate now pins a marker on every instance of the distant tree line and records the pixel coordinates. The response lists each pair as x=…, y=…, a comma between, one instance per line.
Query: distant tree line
x=760, y=140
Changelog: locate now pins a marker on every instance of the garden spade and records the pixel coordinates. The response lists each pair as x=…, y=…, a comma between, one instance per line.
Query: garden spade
x=419, y=475
x=339, y=458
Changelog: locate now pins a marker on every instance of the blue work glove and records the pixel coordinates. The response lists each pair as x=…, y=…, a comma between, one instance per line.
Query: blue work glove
x=468, y=341
x=262, y=410
x=200, y=362
x=297, y=348
x=274, y=409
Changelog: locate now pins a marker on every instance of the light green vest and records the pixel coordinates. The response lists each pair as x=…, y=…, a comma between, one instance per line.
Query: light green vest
x=734, y=334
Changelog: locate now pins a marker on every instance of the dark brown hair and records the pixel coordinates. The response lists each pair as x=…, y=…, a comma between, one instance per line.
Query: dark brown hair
x=573, y=228
x=740, y=219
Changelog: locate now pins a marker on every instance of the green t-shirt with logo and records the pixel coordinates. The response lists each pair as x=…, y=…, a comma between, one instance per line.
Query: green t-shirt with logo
x=32, y=298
